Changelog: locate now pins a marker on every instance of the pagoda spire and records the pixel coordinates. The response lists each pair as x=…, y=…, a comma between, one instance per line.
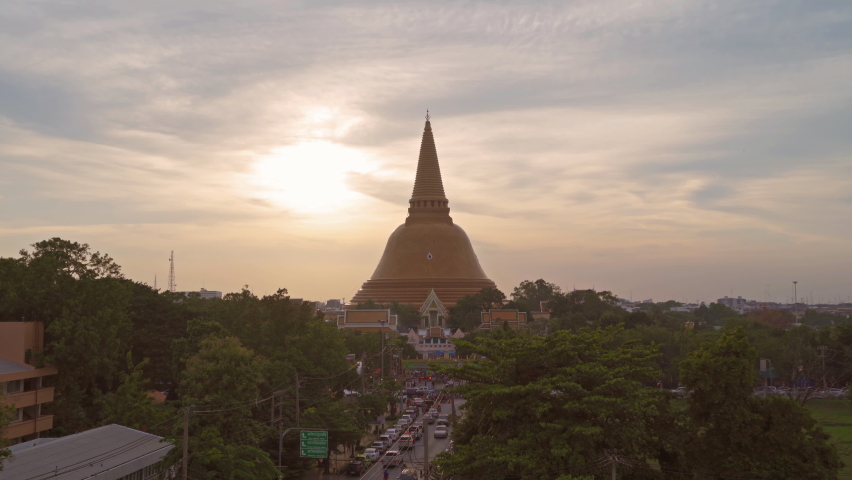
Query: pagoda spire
x=428, y=183
x=428, y=202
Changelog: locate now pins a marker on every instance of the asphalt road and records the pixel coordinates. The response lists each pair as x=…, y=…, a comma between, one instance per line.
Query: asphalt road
x=414, y=457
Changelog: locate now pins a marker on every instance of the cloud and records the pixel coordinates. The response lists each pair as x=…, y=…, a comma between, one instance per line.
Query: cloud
x=601, y=137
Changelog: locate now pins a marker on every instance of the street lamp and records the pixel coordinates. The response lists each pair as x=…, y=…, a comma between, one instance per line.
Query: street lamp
x=795, y=301
x=382, y=352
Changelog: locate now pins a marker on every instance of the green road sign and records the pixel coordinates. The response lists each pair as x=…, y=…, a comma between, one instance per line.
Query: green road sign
x=313, y=444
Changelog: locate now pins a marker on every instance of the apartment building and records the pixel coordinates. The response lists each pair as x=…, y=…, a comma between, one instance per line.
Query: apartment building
x=22, y=379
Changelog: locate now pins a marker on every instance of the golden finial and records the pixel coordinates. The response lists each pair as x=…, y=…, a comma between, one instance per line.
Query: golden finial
x=428, y=117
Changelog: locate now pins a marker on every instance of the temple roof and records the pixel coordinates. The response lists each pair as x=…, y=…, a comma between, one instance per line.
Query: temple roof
x=428, y=184
x=433, y=303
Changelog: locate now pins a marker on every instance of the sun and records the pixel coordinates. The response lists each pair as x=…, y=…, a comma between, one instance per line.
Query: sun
x=310, y=177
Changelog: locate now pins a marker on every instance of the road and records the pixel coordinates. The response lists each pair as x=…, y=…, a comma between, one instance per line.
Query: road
x=414, y=457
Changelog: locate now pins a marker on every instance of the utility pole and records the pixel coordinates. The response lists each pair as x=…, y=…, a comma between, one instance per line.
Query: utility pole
x=382, y=377
x=822, y=349
x=184, y=464
x=795, y=301
x=297, y=399
x=272, y=412
x=426, y=450
x=613, y=469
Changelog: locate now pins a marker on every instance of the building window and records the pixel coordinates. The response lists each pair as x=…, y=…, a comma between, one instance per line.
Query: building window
x=13, y=386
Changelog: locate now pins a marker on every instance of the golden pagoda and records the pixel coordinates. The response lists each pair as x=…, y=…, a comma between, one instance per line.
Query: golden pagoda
x=428, y=251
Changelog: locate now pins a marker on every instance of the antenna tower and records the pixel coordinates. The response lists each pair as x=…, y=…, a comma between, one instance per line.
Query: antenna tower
x=155, y=281
x=172, y=283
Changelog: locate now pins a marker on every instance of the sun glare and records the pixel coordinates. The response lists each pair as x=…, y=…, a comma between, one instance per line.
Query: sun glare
x=310, y=177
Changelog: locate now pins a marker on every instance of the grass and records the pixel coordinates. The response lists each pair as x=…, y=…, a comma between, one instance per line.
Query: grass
x=835, y=417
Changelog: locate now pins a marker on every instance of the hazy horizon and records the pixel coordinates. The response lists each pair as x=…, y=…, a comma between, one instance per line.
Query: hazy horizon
x=675, y=150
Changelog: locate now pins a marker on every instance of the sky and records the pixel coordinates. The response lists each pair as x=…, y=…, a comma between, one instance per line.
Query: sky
x=673, y=149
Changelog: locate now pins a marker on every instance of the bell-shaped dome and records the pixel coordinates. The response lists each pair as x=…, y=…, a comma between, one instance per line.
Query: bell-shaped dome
x=429, y=251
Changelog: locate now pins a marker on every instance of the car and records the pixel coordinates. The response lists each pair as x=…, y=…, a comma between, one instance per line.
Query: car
x=393, y=433
x=441, y=431
x=388, y=440
x=430, y=419
x=406, y=442
x=379, y=446
x=392, y=459
x=442, y=421
x=680, y=391
x=410, y=418
x=355, y=469
x=403, y=421
x=764, y=391
x=373, y=454
x=411, y=411
x=364, y=459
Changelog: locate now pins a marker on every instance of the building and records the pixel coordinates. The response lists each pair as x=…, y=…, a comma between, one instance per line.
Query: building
x=367, y=321
x=434, y=339
x=496, y=318
x=734, y=303
x=22, y=382
x=111, y=452
x=429, y=251
x=207, y=294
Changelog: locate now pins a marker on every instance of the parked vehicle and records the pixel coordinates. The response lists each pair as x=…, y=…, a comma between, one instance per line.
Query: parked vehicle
x=441, y=431
x=373, y=454
x=355, y=469
x=834, y=392
x=364, y=459
x=392, y=459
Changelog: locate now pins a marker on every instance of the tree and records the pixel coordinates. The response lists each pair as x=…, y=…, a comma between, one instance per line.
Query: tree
x=225, y=376
x=533, y=293
x=466, y=314
x=82, y=299
x=540, y=406
x=406, y=315
x=715, y=314
x=6, y=412
x=589, y=303
x=776, y=318
x=738, y=434
x=130, y=405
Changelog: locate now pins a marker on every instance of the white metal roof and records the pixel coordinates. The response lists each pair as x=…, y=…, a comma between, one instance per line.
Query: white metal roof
x=103, y=453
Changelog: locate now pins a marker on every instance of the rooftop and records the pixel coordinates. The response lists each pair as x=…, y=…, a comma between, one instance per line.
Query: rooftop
x=8, y=366
x=83, y=455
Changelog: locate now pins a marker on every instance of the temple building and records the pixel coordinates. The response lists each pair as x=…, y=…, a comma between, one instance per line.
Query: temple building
x=434, y=338
x=428, y=252
x=379, y=320
x=496, y=318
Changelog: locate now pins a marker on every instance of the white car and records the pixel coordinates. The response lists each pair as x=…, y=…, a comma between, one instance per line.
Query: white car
x=403, y=421
x=372, y=454
x=392, y=459
x=379, y=446
x=393, y=433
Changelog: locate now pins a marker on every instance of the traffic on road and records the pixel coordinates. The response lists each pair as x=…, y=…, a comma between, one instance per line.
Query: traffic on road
x=400, y=452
